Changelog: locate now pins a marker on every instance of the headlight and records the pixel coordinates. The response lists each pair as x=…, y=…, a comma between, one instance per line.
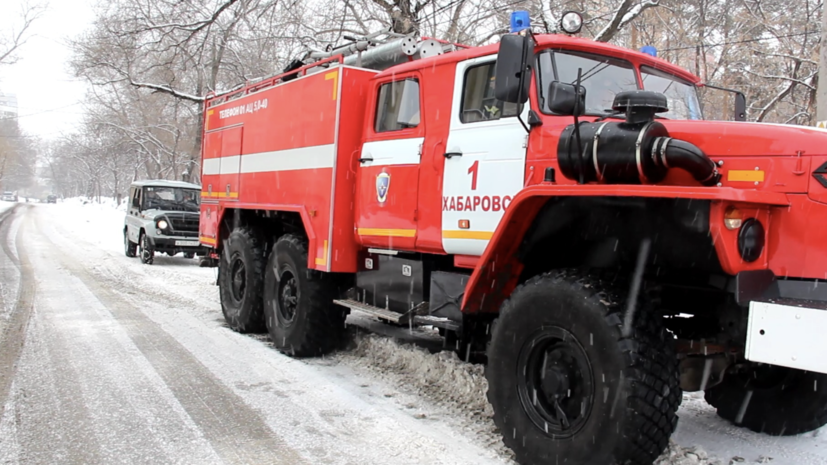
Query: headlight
x=162, y=224
x=751, y=240
x=733, y=218
x=571, y=22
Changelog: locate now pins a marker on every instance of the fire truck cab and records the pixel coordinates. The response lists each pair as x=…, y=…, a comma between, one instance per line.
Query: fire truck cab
x=555, y=206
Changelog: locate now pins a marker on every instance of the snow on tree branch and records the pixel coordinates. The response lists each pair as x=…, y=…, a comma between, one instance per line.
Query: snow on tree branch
x=624, y=14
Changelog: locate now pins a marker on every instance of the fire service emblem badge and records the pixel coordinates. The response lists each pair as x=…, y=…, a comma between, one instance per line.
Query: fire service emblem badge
x=383, y=183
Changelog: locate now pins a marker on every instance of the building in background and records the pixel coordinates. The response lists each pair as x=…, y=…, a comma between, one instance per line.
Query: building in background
x=8, y=105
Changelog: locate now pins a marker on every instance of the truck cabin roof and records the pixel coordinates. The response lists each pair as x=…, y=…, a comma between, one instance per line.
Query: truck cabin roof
x=546, y=41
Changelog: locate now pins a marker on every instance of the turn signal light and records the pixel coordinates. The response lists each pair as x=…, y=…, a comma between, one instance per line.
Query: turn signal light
x=733, y=218
x=464, y=224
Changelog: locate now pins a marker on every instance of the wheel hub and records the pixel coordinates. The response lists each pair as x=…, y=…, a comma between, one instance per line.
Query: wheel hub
x=555, y=382
x=288, y=298
x=239, y=278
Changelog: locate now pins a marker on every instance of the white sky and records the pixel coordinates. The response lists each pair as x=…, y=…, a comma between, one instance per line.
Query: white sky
x=50, y=100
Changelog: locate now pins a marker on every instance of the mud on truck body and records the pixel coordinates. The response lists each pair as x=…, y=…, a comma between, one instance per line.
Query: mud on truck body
x=599, y=268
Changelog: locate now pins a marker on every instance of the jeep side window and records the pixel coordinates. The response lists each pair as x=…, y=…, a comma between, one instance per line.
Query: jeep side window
x=398, y=106
x=478, y=102
x=136, y=198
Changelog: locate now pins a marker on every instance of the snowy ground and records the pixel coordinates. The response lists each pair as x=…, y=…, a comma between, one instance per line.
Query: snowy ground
x=135, y=364
x=6, y=205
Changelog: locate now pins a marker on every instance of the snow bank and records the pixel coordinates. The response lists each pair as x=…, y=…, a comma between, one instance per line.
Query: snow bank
x=677, y=455
x=442, y=378
x=6, y=205
x=100, y=223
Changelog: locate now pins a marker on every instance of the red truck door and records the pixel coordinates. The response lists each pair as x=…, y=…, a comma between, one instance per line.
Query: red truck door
x=388, y=167
x=485, y=159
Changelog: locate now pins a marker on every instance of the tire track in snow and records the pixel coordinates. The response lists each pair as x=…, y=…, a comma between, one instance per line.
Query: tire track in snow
x=14, y=334
x=235, y=431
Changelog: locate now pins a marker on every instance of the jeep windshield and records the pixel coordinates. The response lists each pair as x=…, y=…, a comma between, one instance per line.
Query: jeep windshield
x=604, y=77
x=171, y=198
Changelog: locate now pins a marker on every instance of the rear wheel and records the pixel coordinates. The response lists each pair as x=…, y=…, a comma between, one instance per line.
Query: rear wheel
x=298, y=303
x=147, y=252
x=129, y=247
x=240, y=280
x=566, y=380
x=773, y=400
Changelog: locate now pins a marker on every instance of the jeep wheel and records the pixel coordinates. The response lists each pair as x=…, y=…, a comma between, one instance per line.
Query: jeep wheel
x=773, y=400
x=298, y=303
x=129, y=247
x=566, y=383
x=240, y=277
x=147, y=253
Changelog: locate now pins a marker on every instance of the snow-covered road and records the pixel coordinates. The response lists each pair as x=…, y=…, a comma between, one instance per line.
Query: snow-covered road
x=105, y=360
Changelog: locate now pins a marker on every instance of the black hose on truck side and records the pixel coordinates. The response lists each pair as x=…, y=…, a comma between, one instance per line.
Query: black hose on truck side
x=676, y=153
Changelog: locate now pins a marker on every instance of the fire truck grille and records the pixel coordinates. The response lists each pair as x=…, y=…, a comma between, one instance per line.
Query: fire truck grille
x=183, y=224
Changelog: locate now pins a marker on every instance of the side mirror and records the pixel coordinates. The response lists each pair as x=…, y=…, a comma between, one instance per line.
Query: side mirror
x=564, y=99
x=740, y=107
x=740, y=113
x=513, y=69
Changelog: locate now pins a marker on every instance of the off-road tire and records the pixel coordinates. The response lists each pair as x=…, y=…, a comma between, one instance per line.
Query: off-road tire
x=795, y=403
x=635, y=376
x=309, y=324
x=146, y=251
x=130, y=248
x=240, y=279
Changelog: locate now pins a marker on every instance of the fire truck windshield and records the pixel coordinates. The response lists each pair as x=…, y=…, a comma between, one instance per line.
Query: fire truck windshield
x=681, y=95
x=603, y=77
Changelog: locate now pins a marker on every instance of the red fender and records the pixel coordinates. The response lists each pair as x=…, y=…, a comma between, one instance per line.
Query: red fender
x=498, y=269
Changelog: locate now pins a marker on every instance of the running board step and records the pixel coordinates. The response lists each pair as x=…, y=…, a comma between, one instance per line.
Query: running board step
x=401, y=318
x=381, y=313
x=439, y=322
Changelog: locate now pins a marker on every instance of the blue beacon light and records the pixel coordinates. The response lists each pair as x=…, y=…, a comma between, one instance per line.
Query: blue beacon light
x=649, y=50
x=519, y=21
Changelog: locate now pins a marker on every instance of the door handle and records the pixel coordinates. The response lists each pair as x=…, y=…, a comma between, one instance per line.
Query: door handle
x=362, y=160
x=449, y=155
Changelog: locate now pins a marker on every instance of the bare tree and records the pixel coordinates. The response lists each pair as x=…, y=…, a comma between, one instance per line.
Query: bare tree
x=12, y=40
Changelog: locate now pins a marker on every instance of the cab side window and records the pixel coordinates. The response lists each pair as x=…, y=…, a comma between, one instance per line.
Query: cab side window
x=398, y=106
x=478, y=102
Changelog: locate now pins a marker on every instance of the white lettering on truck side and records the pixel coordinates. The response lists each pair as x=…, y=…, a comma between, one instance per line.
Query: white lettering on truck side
x=243, y=109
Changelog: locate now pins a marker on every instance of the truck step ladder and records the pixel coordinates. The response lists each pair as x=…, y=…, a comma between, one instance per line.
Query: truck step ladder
x=381, y=313
x=401, y=318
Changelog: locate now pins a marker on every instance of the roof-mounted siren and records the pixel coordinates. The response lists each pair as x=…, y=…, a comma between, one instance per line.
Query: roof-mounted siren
x=571, y=22
x=520, y=21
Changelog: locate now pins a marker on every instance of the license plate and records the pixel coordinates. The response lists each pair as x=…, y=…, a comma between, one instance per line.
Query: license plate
x=187, y=243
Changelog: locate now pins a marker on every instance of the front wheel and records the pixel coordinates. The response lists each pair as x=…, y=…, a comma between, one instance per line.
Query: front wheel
x=130, y=248
x=298, y=303
x=567, y=380
x=147, y=252
x=773, y=400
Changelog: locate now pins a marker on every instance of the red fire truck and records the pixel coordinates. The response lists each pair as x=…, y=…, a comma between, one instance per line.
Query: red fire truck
x=553, y=205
